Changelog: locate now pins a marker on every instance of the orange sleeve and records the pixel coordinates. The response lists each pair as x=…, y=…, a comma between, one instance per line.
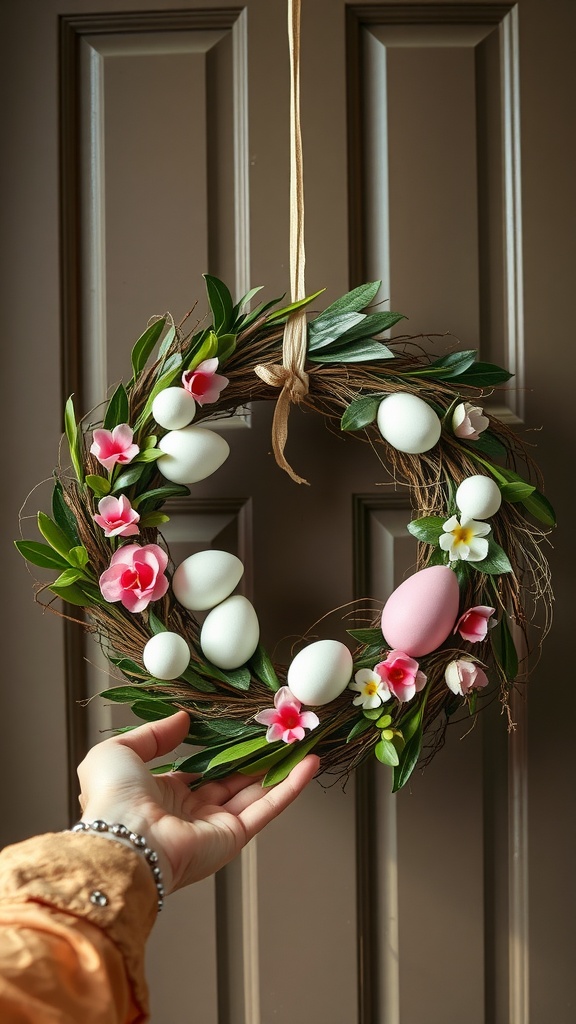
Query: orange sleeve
x=63, y=958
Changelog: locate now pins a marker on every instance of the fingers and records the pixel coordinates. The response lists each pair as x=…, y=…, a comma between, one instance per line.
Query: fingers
x=156, y=738
x=267, y=804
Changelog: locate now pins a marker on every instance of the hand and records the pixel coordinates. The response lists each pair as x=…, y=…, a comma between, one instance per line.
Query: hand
x=193, y=833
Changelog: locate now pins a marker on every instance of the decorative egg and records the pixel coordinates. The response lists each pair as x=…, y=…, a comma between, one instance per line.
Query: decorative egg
x=478, y=497
x=191, y=454
x=421, y=612
x=408, y=423
x=206, y=578
x=174, y=408
x=166, y=655
x=230, y=633
x=320, y=672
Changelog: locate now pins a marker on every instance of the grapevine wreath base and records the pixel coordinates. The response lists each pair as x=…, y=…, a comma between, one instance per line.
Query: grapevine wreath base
x=447, y=636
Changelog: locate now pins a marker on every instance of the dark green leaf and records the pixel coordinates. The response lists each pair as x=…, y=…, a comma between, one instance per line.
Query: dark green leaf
x=128, y=477
x=160, y=493
x=99, y=485
x=357, y=352
x=240, y=678
x=428, y=529
x=408, y=759
x=143, y=348
x=41, y=554
x=353, y=301
x=74, y=440
x=504, y=648
x=197, y=681
x=539, y=507
x=496, y=561
x=233, y=727
x=437, y=557
x=452, y=365
x=63, y=516
x=128, y=667
x=489, y=444
x=151, y=710
x=297, y=754
x=373, y=635
x=263, y=669
x=517, y=491
x=386, y=752
x=156, y=626
x=358, y=729
x=462, y=571
x=323, y=333
x=220, y=303
x=360, y=413
x=118, y=409
x=484, y=375
x=199, y=761
x=239, y=751
x=123, y=694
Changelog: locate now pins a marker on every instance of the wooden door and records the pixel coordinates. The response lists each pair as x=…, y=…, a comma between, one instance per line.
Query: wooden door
x=145, y=146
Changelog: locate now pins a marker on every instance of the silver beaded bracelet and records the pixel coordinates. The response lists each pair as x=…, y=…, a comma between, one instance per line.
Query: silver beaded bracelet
x=138, y=842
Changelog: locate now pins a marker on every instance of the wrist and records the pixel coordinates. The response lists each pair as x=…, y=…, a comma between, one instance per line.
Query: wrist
x=120, y=833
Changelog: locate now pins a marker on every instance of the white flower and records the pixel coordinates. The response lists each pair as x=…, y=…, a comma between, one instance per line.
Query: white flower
x=372, y=691
x=465, y=540
x=468, y=421
x=463, y=675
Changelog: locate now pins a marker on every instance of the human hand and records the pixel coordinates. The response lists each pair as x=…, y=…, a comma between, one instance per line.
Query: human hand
x=193, y=832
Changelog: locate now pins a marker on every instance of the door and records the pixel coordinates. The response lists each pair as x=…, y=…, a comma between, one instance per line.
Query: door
x=148, y=145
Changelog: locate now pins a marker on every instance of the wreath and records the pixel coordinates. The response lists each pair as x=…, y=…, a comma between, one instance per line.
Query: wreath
x=451, y=634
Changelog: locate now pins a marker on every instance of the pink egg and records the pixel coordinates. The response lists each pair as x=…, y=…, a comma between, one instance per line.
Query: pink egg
x=421, y=612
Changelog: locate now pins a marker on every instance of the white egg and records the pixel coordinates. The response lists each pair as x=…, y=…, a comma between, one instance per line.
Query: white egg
x=166, y=655
x=320, y=672
x=191, y=454
x=174, y=408
x=478, y=497
x=230, y=633
x=206, y=578
x=408, y=423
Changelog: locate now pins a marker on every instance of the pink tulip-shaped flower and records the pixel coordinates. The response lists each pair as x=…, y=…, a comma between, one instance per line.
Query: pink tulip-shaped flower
x=117, y=517
x=468, y=421
x=135, y=576
x=203, y=383
x=285, y=721
x=473, y=624
x=463, y=676
x=112, y=446
x=401, y=675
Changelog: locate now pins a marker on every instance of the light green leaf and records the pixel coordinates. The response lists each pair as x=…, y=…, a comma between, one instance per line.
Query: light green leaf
x=78, y=556
x=197, y=681
x=72, y=594
x=156, y=626
x=353, y=301
x=446, y=367
x=360, y=413
x=365, y=351
x=99, y=485
x=207, y=350
x=539, y=507
x=386, y=752
x=74, y=440
x=226, y=346
x=297, y=754
x=321, y=335
x=67, y=577
x=151, y=519
x=144, y=346
x=238, y=751
x=282, y=314
x=370, y=326
x=517, y=491
x=118, y=409
x=263, y=764
x=54, y=535
x=372, y=714
x=123, y=694
x=166, y=342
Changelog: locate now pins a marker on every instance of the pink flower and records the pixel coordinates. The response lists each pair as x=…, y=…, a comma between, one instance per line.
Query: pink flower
x=468, y=421
x=112, y=446
x=135, y=576
x=285, y=721
x=473, y=624
x=117, y=517
x=401, y=675
x=203, y=383
x=462, y=676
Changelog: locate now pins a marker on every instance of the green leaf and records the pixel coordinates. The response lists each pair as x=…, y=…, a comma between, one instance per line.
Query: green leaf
x=148, y=442
x=56, y=538
x=518, y=491
x=437, y=557
x=484, y=375
x=156, y=626
x=358, y=729
x=325, y=333
x=386, y=752
x=452, y=365
x=78, y=556
x=239, y=678
x=373, y=635
x=143, y=348
x=99, y=485
x=504, y=648
x=72, y=594
x=232, y=727
x=67, y=577
x=409, y=758
x=370, y=326
x=128, y=477
x=63, y=516
x=539, y=507
x=259, y=311
x=151, y=710
x=128, y=666
x=489, y=444
x=41, y=554
x=360, y=413
x=197, y=681
x=245, y=300
x=160, y=493
x=226, y=346
x=118, y=410
x=287, y=311
x=199, y=761
x=220, y=302
x=428, y=529
x=372, y=714
x=166, y=342
x=123, y=694
x=74, y=439
x=353, y=301
x=496, y=561
x=263, y=669
x=207, y=350
x=151, y=519
x=263, y=764
x=238, y=751
x=148, y=455
x=297, y=754
x=162, y=769
x=357, y=352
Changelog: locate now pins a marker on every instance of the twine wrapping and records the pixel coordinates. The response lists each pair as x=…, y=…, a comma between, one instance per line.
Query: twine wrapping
x=291, y=376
